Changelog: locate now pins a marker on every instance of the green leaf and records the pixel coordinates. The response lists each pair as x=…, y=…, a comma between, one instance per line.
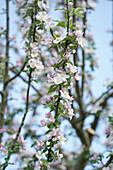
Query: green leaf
x=70, y=22
x=50, y=126
x=52, y=89
x=79, y=15
x=35, y=80
x=57, y=123
x=78, y=9
x=51, y=47
x=61, y=24
x=63, y=9
x=48, y=132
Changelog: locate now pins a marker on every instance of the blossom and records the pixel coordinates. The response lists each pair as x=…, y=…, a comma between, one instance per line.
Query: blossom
x=55, y=132
x=62, y=139
x=73, y=69
x=55, y=139
x=64, y=75
x=41, y=4
x=42, y=16
x=58, y=39
x=40, y=143
x=1, y=27
x=34, y=45
x=50, y=78
x=41, y=163
x=43, y=123
x=52, y=119
x=39, y=155
x=91, y=4
x=58, y=156
x=2, y=56
x=58, y=79
x=77, y=77
x=21, y=139
x=30, y=2
x=70, y=113
x=39, y=31
x=79, y=33
x=48, y=115
x=32, y=63
x=95, y=156
x=64, y=94
x=107, y=130
x=39, y=65
x=80, y=41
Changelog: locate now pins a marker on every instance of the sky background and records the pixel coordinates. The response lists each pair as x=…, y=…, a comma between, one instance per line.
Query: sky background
x=101, y=20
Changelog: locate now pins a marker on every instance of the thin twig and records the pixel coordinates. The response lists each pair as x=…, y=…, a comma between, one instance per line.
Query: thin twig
x=27, y=106
x=109, y=161
x=17, y=74
x=27, y=82
x=100, y=97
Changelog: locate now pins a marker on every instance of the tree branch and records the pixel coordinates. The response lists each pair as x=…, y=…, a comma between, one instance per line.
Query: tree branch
x=26, y=81
x=83, y=53
x=17, y=74
x=22, y=123
x=109, y=161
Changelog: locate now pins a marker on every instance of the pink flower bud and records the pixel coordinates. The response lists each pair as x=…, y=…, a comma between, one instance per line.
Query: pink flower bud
x=39, y=51
x=107, y=131
x=48, y=115
x=13, y=163
x=41, y=163
x=62, y=90
x=49, y=64
x=44, y=103
x=43, y=123
x=1, y=27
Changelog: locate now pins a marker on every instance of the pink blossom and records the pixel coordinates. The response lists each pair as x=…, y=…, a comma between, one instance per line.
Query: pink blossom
x=44, y=103
x=1, y=27
x=55, y=139
x=48, y=115
x=43, y=123
x=95, y=156
x=2, y=56
x=52, y=119
x=13, y=163
x=41, y=163
x=107, y=130
x=2, y=130
x=41, y=143
x=77, y=77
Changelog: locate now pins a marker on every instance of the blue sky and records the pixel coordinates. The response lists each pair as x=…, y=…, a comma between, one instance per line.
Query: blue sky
x=101, y=20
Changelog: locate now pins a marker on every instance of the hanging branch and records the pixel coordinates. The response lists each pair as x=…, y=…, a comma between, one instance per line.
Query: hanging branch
x=25, y=114
x=27, y=107
x=75, y=60
x=83, y=52
x=22, y=123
